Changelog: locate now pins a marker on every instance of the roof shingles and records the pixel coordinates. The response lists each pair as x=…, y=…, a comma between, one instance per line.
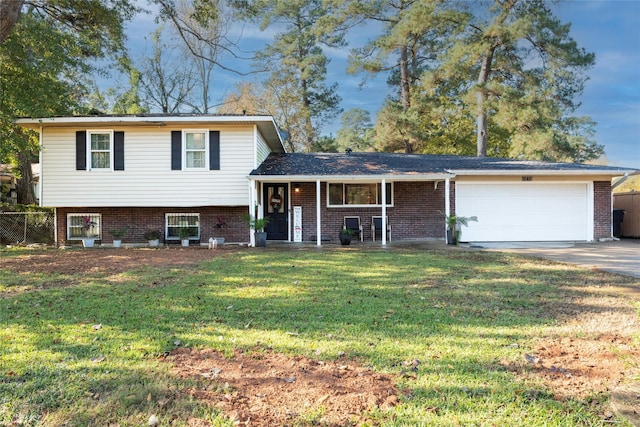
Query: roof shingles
x=360, y=164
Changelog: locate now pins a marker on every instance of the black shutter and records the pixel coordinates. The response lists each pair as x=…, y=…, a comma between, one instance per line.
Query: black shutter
x=81, y=150
x=118, y=151
x=214, y=150
x=176, y=150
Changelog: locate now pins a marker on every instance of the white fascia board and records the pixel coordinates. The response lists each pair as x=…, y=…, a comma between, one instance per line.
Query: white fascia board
x=343, y=178
x=266, y=124
x=153, y=120
x=538, y=172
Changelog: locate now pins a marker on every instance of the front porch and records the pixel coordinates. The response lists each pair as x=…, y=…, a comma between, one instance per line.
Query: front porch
x=308, y=211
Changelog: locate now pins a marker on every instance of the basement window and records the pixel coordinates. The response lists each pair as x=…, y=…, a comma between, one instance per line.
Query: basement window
x=81, y=225
x=175, y=222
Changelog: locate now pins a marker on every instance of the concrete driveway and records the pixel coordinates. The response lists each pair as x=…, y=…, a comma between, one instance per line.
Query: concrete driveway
x=621, y=257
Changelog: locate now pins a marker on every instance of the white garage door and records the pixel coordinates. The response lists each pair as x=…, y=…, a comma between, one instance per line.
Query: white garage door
x=525, y=211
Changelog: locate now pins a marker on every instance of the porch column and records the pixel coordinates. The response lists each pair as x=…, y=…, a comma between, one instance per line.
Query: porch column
x=318, y=218
x=253, y=201
x=384, y=212
x=447, y=203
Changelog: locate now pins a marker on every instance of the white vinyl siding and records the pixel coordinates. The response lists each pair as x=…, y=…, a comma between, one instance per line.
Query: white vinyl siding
x=526, y=211
x=262, y=150
x=148, y=180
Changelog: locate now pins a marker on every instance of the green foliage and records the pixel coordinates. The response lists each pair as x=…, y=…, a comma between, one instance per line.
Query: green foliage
x=46, y=62
x=296, y=63
x=119, y=233
x=356, y=132
x=524, y=94
x=324, y=144
x=256, y=224
x=79, y=349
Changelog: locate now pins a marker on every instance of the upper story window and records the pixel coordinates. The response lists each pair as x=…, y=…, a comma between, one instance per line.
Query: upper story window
x=358, y=194
x=100, y=149
x=195, y=149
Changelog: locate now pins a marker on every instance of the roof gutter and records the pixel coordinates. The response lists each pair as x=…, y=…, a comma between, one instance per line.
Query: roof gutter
x=538, y=172
x=343, y=178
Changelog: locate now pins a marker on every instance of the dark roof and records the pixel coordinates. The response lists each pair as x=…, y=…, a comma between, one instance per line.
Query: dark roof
x=358, y=164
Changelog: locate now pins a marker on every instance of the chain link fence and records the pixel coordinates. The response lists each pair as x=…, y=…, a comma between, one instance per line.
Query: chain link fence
x=26, y=228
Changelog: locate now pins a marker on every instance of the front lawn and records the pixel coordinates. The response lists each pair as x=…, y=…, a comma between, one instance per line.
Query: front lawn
x=469, y=337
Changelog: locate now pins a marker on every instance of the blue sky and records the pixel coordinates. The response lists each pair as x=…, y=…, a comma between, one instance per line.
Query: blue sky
x=610, y=28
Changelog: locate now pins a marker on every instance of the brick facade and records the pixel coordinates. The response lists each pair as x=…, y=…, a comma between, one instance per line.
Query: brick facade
x=235, y=229
x=602, y=220
x=418, y=212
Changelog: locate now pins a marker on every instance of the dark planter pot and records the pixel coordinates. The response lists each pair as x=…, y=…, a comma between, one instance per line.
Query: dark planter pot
x=261, y=239
x=452, y=237
x=345, y=239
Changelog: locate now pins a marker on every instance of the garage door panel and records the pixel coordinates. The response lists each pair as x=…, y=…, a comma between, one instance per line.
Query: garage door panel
x=524, y=211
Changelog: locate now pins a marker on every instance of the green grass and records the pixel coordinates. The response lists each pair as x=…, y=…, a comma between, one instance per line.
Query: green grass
x=459, y=313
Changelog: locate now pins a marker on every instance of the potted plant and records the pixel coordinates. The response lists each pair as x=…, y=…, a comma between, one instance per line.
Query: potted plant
x=118, y=235
x=185, y=233
x=88, y=238
x=153, y=237
x=258, y=225
x=454, y=227
x=345, y=236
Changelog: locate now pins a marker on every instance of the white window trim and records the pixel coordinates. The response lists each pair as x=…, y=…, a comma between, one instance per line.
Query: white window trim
x=89, y=151
x=184, y=149
x=93, y=214
x=378, y=205
x=166, y=224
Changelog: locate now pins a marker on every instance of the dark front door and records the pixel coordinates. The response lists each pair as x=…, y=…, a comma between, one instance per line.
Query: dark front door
x=275, y=202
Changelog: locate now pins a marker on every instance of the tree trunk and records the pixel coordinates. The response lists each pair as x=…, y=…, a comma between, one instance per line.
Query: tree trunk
x=405, y=92
x=405, y=87
x=24, y=185
x=481, y=97
x=9, y=14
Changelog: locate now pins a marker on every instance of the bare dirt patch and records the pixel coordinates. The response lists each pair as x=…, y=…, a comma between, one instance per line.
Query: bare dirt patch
x=591, y=352
x=268, y=389
x=104, y=261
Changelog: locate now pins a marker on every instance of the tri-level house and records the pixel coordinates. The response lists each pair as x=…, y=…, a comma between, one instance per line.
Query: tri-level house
x=206, y=172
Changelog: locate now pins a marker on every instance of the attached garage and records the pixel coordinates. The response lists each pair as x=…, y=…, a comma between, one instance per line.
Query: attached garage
x=526, y=211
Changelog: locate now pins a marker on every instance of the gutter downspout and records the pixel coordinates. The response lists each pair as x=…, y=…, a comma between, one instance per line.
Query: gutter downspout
x=40, y=181
x=620, y=181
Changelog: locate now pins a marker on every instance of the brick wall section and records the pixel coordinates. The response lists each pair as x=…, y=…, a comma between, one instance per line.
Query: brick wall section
x=418, y=212
x=140, y=219
x=602, y=209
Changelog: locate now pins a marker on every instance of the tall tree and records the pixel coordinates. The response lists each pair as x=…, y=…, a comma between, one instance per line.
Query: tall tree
x=277, y=98
x=166, y=82
x=527, y=70
x=44, y=64
x=295, y=59
x=356, y=131
x=403, y=49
